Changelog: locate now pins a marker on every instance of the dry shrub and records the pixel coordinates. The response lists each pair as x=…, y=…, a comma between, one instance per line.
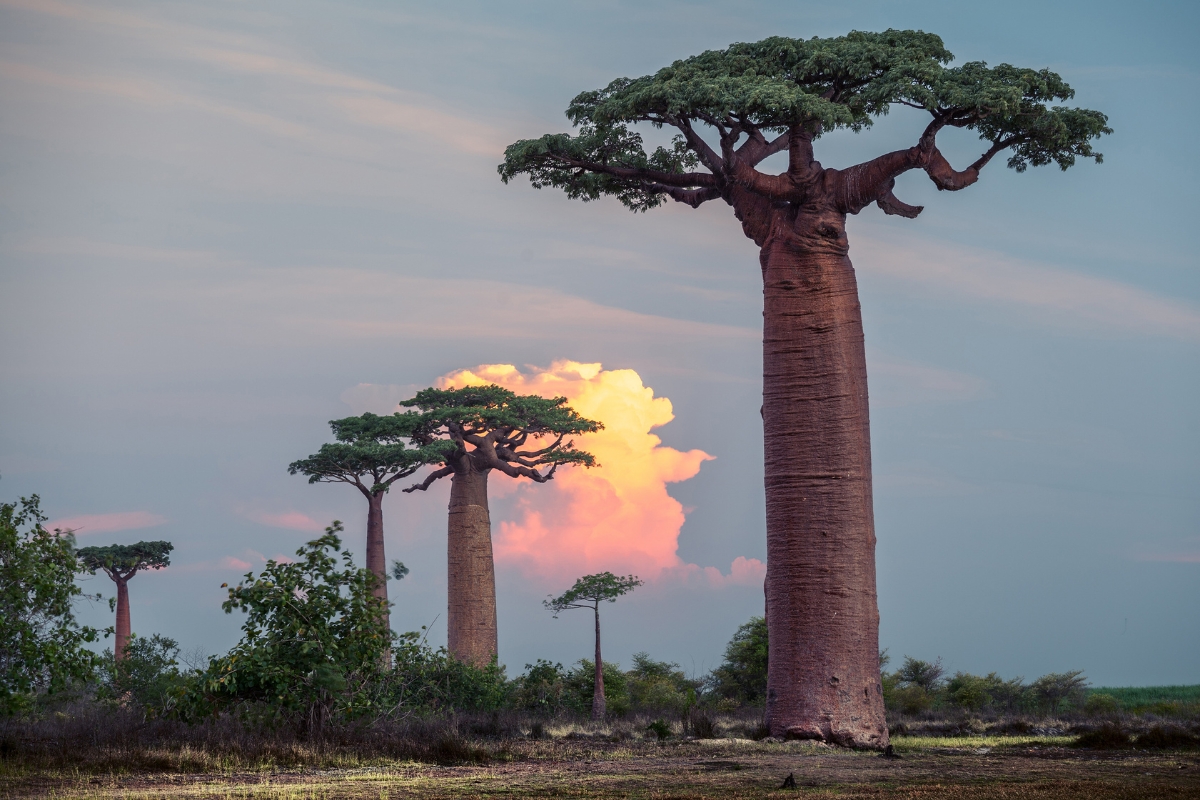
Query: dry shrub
x=1108, y=736
x=1160, y=737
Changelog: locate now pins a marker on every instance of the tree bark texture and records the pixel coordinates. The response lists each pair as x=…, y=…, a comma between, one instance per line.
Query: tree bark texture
x=822, y=612
x=122, y=632
x=472, y=578
x=376, y=558
x=598, y=702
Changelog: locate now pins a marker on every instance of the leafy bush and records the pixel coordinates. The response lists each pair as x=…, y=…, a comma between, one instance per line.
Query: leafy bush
x=542, y=689
x=41, y=645
x=580, y=684
x=743, y=675
x=148, y=674
x=969, y=691
x=313, y=639
x=660, y=728
x=659, y=686
x=924, y=674
x=1108, y=736
x=1100, y=703
x=1055, y=689
x=424, y=680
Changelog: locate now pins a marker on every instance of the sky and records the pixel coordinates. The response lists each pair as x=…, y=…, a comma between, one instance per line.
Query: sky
x=224, y=224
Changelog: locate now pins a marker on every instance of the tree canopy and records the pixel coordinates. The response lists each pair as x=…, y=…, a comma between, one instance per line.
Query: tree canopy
x=765, y=97
x=41, y=644
x=370, y=446
x=592, y=590
x=122, y=561
x=497, y=424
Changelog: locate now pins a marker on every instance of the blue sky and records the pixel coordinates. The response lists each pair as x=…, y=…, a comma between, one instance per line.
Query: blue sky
x=217, y=220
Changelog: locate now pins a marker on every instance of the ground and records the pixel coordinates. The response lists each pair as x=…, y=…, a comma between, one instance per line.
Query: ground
x=728, y=769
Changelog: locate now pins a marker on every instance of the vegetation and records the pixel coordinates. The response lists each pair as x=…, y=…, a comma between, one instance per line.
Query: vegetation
x=589, y=592
x=42, y=647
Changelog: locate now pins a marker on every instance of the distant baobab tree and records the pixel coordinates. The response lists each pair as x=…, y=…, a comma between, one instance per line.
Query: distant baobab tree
x=589, y=592
x=730, y=110
x=121, y=562
x=488, y=428
x=370, y=454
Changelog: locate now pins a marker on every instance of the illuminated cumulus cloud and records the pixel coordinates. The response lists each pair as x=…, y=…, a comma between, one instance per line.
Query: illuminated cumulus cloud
x=618, y=516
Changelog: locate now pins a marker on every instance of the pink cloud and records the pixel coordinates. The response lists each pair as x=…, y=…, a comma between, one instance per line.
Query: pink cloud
x=617, y=516
x=229, y=562
x=106, y=523
x=292, y=520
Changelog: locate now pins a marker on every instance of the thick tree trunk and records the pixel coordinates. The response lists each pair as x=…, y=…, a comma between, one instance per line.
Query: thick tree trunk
x=376, y=559
x=598, y=692
x=472, y=578
x=822, y=614
x=122, y=632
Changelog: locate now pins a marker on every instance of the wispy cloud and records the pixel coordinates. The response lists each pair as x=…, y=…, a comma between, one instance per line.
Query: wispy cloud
x=291, y=520
x=898, y=382
x=1051, y=295
x=85, y=524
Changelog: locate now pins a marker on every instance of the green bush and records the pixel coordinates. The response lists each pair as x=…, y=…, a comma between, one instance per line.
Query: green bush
x=313, y=642
x=1057, y=690
x=542, y=689
x=41, y=645
x=148, y=674
x=424, y=680
x=580, y=687
x=968, y=691
x=742, y=677
x=659, y=686
x=1099, y=703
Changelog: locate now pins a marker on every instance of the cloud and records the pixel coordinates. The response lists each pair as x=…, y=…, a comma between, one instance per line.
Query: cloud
x=617, y=516
x=229, y=562
x=292, y=520
x=107, y=523
x=896, y=382
x=1052, y=295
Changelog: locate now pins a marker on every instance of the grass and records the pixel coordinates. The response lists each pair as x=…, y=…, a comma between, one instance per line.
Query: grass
x=1140, y=699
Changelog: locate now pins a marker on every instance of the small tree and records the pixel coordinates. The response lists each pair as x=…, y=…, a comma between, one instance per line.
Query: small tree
x=312, y=632
x=1053, y=689
x=121, y=562
x=370, y=455
x=41, y=644
x=487, y=428
x=589, y=592
x=743, y=676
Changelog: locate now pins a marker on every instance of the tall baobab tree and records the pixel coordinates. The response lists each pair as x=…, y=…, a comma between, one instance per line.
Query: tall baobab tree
x=370, y=454
x=488, y=428
x=731, y=109
x=121, y=562
x=589, y=592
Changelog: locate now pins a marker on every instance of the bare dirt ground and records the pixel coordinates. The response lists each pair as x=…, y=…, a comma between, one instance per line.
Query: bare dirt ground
x=719, y=769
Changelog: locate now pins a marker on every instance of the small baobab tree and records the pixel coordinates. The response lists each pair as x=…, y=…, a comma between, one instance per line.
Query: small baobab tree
x=488, y=428
x=121, y=562
x=370, y=454
x=589, y=592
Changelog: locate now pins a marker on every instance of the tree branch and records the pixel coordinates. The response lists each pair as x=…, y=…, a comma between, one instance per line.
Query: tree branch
x=685, y=180
x=691, y=197
x=429, y=479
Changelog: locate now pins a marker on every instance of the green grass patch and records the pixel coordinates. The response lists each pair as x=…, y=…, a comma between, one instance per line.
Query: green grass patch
x=1161, y=700
x=912, y=744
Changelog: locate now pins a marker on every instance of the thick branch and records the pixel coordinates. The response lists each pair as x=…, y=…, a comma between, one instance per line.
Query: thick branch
x=707, y=155
x=429, y=479
x=692, y=197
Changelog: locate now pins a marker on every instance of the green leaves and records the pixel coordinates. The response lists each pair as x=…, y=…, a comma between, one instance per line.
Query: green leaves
x=794, y=87
x=121, y=561
x=312, y=630
x=369, y=445
x=41, y=645
x=591, y=590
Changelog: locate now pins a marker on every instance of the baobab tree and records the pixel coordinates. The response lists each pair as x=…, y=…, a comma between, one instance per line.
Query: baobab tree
x=370, y=454
x=488, y=427
x=730, y=110
x=121, y=562
x=589, y=592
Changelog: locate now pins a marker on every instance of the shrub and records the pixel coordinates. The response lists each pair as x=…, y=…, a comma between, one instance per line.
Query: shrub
x=971, y=692
x=1099, y=703
x=924, y=674
x=1167, y=738
x=424, y=680
x=314, y=640
x=659, y=728
x=1108, y=736
x=658, y=686
x=542, y=689
x=41, y=645
x=580, y=685
x=702, y=725
x=743, y=675
x=1055, y=689
x=911, y=699
x=148, y=674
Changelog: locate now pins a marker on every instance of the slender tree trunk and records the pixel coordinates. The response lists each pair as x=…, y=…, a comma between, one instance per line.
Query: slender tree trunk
x=122, y=632
x=822, y=613
x=472, y=577
x=376, y=560
x=598, y=692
